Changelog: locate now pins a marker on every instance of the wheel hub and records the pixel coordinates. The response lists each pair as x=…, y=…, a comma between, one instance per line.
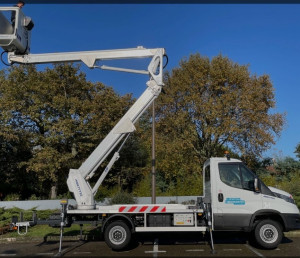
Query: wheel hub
x=117, y=235
x=268, y=233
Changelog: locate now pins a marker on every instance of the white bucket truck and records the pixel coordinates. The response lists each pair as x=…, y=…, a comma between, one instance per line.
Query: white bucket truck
x=234, y=198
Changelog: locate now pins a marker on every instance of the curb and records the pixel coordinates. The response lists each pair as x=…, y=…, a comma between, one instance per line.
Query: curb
x=295, y=233
x=46, y=238
x=21, y=239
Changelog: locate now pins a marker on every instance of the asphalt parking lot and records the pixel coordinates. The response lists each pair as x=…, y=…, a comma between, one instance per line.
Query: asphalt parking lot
x=155, y=245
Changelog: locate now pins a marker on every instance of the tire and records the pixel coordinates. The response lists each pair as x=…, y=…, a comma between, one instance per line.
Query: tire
x=117, y=235
x=268, y=234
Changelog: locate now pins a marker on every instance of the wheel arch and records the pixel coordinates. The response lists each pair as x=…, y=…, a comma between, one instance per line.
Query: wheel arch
x=267, y=214
x=116, y=217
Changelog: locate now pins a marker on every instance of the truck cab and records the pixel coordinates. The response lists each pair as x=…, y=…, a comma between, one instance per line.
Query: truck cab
x=240, y=201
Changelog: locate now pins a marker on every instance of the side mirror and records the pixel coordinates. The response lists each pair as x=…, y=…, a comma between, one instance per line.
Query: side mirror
x=256, y=186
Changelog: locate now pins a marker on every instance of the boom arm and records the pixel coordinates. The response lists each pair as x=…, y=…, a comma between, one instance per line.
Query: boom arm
x=90, y=57
x=78, y=178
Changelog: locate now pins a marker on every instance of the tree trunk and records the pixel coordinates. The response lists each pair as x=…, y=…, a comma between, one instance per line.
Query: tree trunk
x=119, y=182
x=53, y=193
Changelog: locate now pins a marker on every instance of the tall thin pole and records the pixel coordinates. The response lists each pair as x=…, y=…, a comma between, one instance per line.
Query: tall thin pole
x=153, y=199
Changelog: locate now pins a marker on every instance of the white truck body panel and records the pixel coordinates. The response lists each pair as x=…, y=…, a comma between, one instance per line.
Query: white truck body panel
x=140, y=208
x=171, y=229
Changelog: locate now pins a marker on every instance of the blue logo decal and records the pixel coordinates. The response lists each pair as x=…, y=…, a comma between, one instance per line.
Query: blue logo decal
x=235, y=201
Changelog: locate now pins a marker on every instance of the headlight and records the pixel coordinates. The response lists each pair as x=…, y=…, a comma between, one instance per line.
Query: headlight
x=284, y=197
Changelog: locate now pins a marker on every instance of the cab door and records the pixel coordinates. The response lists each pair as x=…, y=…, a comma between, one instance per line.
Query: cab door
x=236, y=200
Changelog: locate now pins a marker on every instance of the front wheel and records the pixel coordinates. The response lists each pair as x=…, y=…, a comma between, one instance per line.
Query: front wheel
x=117, y=235
x=268, y=234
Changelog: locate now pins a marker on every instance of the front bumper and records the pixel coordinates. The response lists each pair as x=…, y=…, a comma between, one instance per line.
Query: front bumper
x=291, y=221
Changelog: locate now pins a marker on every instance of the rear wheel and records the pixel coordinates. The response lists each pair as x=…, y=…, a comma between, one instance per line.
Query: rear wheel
x=268, y=234
x=117, y=235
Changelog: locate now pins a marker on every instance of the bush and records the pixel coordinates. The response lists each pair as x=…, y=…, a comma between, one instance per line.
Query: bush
x=189, y=202
x=269, y=180
x=122, y=198
x=292, y=186
x=104, y=192
x=289, y=184
x=67, y=195
x=33, y=197
x=12, y=197
x=190, y=185
x=143, y=188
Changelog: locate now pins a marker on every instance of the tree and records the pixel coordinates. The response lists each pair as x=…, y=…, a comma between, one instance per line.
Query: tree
x=13, y=179
x=212, y=105
x=131, y=166
x=13, y=150
x=60, y=115
x=287, y=166
x=297, y=151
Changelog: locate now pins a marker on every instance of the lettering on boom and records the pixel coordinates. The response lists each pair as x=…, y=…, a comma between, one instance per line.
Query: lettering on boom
x=235, y=201
x=78, y=187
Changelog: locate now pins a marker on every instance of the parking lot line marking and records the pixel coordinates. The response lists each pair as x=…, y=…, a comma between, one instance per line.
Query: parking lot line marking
x=254, y=251
x=8, y=255
x=195, y=250
x=155, y=249
x=232, y=249
x=155, y=246
x=69, y=249
x=154, y=252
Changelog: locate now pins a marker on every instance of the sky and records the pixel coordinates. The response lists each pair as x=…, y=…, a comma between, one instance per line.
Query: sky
x=264, y=36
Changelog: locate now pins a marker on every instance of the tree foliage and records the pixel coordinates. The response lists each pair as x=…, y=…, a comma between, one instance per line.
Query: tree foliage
x=212, y=105
x=59, y=114
x=51, y=121
x=297, y=151
x=283, y=173
x=286, y=167
x=131, y=167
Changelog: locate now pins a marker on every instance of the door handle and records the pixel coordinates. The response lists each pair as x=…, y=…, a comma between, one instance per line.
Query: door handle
x=220, y=197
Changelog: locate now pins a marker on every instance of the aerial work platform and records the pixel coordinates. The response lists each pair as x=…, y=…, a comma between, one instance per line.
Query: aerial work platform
x=15, y=36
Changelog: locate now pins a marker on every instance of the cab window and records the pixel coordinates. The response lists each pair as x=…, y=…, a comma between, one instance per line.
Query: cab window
x=236, y=175
x=230, y=175
x=247, y=178
x=207, y=174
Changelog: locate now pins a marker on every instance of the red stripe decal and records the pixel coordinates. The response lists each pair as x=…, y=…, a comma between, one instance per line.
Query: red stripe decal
x=154, y=209
x=122, y=208
x=132, y=209
x=143, y=208
x=164, y=209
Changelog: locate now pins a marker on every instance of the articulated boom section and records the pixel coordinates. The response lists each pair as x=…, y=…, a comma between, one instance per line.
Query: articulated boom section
x=78, y=178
